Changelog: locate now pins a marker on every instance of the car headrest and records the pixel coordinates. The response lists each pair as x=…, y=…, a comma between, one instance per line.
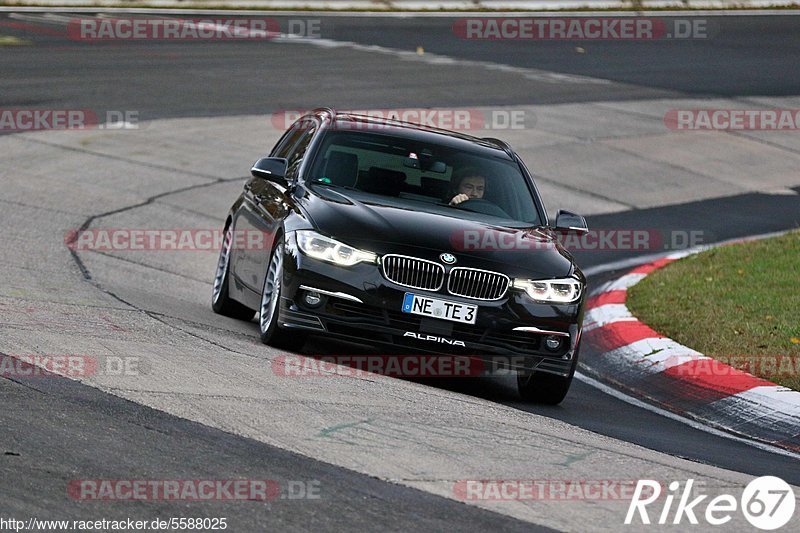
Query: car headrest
x=383, y=181
x=342, y=168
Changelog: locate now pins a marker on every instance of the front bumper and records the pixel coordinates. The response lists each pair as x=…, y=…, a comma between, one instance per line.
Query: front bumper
x=357, y=303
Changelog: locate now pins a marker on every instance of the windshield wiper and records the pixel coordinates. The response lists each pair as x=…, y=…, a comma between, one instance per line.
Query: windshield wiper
x=330, y=184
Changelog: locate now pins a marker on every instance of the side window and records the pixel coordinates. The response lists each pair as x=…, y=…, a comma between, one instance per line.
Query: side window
x=295, y=156
x=288, y=140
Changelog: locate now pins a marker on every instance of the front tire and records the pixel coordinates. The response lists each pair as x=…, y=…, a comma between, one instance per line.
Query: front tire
x=221, y=302
x=270, y=310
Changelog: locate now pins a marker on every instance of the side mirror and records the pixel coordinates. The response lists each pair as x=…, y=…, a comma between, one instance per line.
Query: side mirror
x=568, y=221
x=271, y=168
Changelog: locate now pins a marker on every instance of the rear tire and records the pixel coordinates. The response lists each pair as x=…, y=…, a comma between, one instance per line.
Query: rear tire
x=221, y=302
x=270, y=311
x=548, y=389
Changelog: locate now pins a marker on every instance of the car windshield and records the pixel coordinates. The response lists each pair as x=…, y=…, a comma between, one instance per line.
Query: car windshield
x=381, y=168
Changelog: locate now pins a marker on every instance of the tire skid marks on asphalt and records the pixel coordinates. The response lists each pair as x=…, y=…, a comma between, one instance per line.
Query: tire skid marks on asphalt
x=660, y=354
x=746, y=414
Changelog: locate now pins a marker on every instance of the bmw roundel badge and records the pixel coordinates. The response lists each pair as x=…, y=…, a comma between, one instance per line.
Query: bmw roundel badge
x=448, y=259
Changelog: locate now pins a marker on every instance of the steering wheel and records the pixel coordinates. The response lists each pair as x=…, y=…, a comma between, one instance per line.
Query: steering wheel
x=479, y=205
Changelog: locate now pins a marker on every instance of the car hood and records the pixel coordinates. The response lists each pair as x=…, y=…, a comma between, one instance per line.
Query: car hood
x=383, y=229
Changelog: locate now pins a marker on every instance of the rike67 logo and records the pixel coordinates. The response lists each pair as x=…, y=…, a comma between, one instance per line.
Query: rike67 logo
x=767, y=502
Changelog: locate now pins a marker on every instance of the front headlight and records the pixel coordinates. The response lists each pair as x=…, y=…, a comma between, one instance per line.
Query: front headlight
x=324, y=248
x=562, y=291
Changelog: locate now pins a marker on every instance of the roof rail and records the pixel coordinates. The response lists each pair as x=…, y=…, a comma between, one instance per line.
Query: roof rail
x=331, y=111
x=502, y=144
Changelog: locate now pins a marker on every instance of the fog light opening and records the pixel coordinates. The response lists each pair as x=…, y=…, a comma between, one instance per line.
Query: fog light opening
x=312, y=298
x=553, y=343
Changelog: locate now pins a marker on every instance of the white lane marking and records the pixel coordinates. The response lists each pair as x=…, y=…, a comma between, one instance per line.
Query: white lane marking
x=46, y=18
x=407, y=55
x=61, y=18
x=437, y=59
x=678, y=418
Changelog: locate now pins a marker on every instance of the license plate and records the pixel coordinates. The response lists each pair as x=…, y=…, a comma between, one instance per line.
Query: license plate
x=433, y=307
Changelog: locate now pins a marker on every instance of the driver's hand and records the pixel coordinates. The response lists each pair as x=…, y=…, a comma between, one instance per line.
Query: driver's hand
x=457, y=199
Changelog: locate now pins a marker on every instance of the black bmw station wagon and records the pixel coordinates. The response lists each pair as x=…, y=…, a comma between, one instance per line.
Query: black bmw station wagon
x=392, y=233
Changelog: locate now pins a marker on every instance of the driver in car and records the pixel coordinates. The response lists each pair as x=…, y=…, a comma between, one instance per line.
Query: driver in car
x=467, y=184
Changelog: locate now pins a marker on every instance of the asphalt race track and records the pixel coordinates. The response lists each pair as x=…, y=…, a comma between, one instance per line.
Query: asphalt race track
x=747, y=56
x=208, y=401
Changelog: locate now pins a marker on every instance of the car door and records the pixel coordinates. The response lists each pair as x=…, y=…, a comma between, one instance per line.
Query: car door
x=265, y=207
